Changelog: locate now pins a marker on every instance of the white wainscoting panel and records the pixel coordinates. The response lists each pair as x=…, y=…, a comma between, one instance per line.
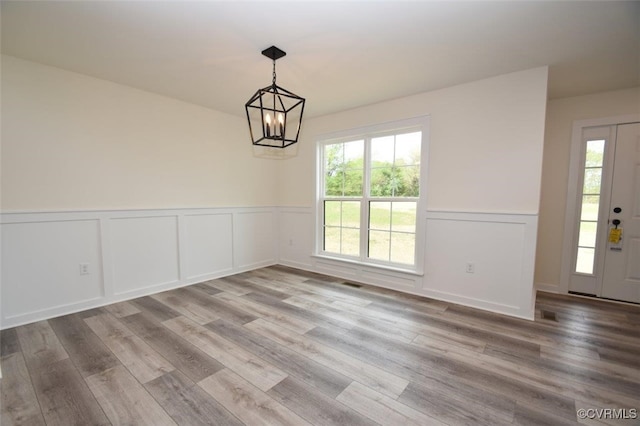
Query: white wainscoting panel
x=256, y=239
x=134, y=253
x=129, y=254
x=41, y=267
x=144, y=253
x=501, y=247
x=208, y=238
x=296, y=236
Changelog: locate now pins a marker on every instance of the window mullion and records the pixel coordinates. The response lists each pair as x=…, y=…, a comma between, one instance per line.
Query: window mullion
x=320, y=206
x=391, y=221
x=364, y=208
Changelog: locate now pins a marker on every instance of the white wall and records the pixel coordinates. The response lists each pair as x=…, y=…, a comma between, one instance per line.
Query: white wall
x=483, y=191
x=561, y=113
x=93, y=172
x=154, y=193
x=486, y=144
x=72, y=142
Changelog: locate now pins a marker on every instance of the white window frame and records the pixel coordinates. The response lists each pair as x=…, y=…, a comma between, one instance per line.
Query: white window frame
x=412, y=124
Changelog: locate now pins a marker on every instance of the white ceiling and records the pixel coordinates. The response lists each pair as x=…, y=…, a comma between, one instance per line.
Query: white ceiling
x=339, y=54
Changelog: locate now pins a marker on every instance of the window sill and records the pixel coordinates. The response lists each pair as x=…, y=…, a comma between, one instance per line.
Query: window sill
x=370, y=265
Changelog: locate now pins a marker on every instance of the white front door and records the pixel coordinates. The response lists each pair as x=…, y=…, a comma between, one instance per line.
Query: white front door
x=621, y=272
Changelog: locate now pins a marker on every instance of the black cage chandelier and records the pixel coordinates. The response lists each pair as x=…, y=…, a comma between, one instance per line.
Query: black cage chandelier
x=274, y=113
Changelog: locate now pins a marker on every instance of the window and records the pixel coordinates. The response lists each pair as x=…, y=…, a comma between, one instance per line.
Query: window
x=589, y=206
x=370, y=196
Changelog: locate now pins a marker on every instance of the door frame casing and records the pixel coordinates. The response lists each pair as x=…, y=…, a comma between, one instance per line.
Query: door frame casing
x=572, y=207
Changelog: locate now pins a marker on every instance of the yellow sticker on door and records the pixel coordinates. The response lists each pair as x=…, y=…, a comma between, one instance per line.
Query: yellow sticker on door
x=615, y=235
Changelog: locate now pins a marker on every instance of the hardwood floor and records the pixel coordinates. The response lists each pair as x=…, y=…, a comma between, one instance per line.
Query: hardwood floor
x=279, y=346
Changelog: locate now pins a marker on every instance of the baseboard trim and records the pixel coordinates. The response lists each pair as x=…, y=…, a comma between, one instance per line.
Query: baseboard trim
x=548, y=288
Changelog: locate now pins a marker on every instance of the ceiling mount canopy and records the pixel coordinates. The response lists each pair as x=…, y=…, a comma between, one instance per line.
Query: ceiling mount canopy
x=274, y=114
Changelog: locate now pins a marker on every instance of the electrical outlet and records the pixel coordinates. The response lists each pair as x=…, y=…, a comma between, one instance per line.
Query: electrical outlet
x=470, y=268
x=84, y=269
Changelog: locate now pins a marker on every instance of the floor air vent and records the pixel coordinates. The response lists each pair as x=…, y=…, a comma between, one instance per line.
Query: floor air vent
x=548, y=315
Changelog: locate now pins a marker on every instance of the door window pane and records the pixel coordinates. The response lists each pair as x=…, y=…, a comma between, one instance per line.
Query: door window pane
x=589, y=207
x=584, y=262
x=592, y=180
x=587, y=237
x=595, y=153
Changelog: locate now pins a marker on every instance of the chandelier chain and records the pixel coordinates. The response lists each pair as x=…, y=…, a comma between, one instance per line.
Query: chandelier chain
x=274, y=72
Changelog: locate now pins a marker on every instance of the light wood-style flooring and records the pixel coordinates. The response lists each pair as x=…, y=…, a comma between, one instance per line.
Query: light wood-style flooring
x=279, y=346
